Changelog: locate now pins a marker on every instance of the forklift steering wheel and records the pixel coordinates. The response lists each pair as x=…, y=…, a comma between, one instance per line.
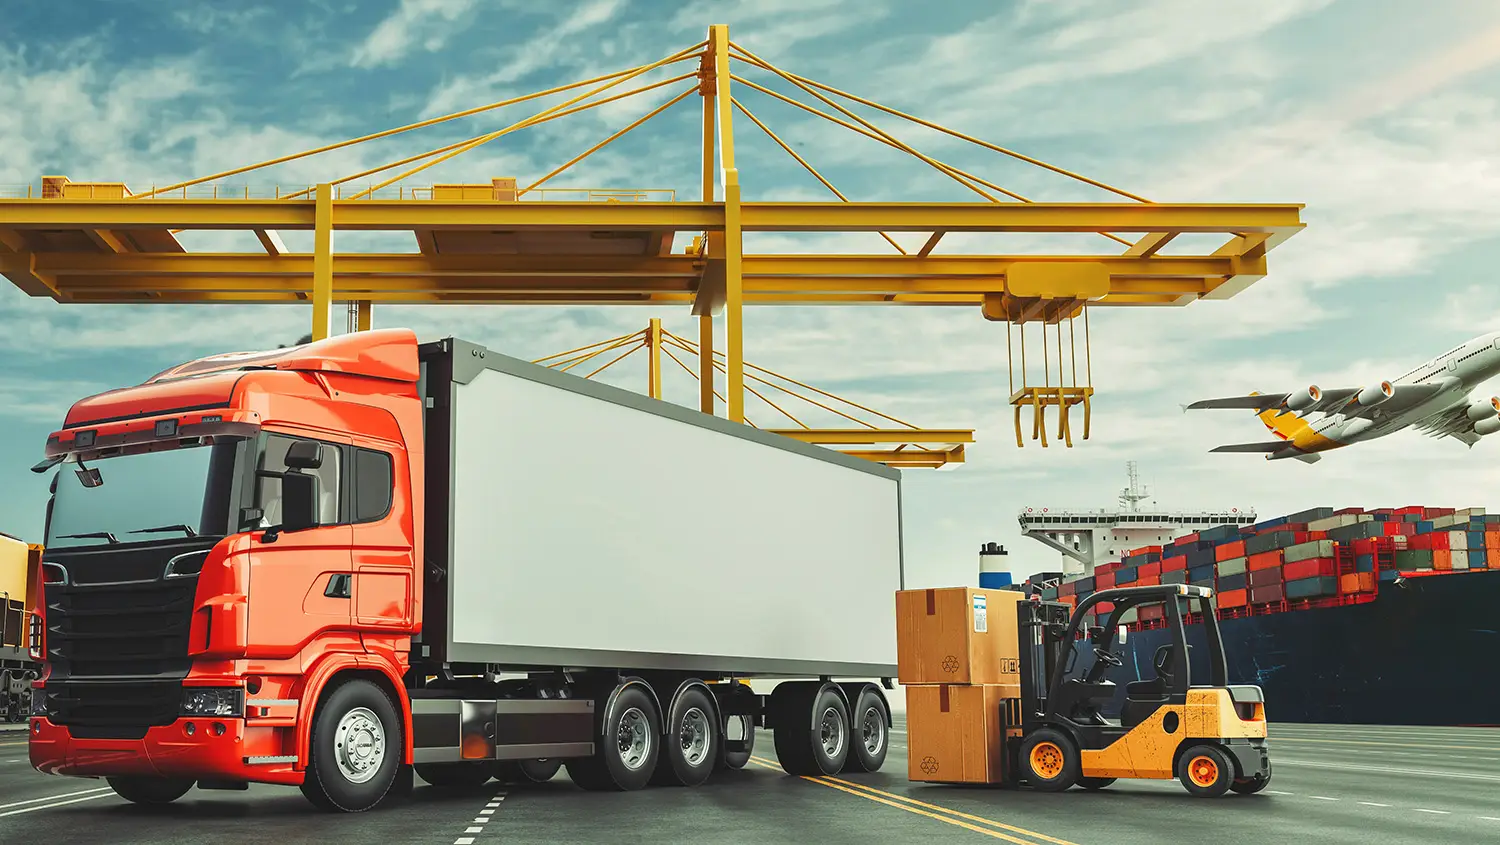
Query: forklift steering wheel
x=1108, y=656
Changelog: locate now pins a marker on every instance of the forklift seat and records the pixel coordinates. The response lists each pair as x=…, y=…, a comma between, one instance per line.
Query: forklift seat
x=1142, y=698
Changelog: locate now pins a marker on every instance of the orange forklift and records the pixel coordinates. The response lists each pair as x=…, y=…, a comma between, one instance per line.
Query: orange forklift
x=1049, y=730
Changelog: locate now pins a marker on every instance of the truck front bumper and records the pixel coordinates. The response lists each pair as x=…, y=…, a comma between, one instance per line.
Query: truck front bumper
x=1252, y=757
x=191, y=747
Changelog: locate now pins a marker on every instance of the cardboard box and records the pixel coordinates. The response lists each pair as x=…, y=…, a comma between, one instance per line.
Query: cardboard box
x=953, y=732
x=957, y=635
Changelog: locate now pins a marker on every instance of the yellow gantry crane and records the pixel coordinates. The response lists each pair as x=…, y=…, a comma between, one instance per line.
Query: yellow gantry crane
x=499, y=242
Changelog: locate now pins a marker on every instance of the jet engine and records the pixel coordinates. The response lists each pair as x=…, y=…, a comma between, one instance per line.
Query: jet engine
x=1481, y=409
x=1304, y=399
x=1375, y=394
x=1488, y=426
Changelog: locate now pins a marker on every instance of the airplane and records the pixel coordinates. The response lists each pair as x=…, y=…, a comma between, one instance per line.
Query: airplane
x=1433, y=398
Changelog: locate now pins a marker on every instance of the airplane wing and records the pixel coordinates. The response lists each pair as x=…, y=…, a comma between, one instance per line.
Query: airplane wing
x=1453, y=422
x=1404, y=396
x=1266, y=446
x=1267, y=401
x=1342, y=400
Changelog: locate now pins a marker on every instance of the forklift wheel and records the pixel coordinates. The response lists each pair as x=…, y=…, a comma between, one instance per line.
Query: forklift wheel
x=1250, y=786
x=1093, y=784
x=1049, y=761
x=1205, y=771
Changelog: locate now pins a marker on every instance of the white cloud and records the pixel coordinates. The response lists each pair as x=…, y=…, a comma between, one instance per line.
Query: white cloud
x=416, y=24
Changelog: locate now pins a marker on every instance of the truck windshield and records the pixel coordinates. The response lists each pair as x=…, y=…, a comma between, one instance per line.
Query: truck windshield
x=145, y=497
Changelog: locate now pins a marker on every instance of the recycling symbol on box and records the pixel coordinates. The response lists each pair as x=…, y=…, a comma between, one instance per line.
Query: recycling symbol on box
x=929, y=765
x=950, y=664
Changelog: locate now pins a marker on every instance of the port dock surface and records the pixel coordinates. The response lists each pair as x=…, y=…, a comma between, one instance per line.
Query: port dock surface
x=1332, y=783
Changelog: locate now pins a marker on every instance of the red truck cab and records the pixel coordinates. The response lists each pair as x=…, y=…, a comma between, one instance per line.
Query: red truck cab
x=161, y=671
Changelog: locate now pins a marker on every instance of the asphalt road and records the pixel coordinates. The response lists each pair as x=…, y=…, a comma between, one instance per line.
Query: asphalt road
x=1332, y=784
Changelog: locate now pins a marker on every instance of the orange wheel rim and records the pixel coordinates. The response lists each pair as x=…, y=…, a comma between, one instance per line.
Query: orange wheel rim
x=1203, y=771
x=1047, y=760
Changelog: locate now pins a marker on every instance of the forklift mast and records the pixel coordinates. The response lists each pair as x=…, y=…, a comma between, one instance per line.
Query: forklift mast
x=1043, y=632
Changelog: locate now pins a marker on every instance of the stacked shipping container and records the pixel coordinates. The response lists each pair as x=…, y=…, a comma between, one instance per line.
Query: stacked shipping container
x=1315, y=558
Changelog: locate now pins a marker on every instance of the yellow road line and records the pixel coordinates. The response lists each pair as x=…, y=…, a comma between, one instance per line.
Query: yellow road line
x=1281, y=739
x=882, y=797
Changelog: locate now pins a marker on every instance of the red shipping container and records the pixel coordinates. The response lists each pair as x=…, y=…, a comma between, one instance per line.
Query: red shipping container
x=1348, y=511
x=1147, y=580
x=1442, y=559
x=1233, y=598
x=1152, y=611
x=1185, y=539
x=1439, y=541
x=1267, y=594
x=1067, y=589
x=1104, y=580
x=1104, y=608
x=1070, y=601
x=1144, y=550
x=1229, y=551
x=1320, y=567
x=1364, y=546
x=1357, y=582
x=1264, y=560
x=1422, y=542
x=1149, y=570
x=1175, y=563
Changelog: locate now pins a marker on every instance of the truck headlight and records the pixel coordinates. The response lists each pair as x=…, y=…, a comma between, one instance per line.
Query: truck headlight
x=228, y=702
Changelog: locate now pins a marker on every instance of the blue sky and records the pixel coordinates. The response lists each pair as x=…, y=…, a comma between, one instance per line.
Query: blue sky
x=1380, y=117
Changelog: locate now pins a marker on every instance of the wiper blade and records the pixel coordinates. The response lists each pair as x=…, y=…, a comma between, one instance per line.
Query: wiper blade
x=160, y=528
x=92, y=535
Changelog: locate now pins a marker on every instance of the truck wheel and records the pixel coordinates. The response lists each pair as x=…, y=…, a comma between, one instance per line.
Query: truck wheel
x=871, y=739
x=737, y=750
x=1250, y=786
x=139, y=789
x=465, y=774
x=355, y=748
x=527, y=771
x=811, y=730
x=1049, y=761
x=1206, y=771
x=691, y=745
x=627, y=746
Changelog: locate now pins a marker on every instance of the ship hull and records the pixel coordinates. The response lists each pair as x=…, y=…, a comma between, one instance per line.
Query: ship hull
x=1416, y=655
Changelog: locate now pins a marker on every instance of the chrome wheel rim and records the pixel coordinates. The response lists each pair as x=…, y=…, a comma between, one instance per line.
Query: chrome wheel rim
x=359, y=745
x=872, y=731
x=831, y=732
x=633, y=738
x=696, y=738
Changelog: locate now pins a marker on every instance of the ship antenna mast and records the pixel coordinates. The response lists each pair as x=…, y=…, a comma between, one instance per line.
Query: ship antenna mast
x=1135, y=493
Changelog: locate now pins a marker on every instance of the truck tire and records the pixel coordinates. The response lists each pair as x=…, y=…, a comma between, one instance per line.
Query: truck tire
x=871, y=737
x=141, y=789
x=467, y=774
x=735, y=753
x=527, y=771
x=691, y=744
x=355, y=749
x=626, y=745
x=1049, y=760
x=811, y=729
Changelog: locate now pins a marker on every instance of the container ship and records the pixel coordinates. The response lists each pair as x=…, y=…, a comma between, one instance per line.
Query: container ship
x=1346, y=615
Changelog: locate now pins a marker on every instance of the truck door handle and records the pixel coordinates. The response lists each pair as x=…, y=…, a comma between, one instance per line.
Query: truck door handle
x=340, y=585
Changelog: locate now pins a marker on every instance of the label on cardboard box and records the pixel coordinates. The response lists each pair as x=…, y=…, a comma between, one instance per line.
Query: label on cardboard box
x=981, y=623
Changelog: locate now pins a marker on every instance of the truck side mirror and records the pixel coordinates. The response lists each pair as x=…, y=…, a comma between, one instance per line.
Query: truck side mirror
x=299, y=501
x=304, y=454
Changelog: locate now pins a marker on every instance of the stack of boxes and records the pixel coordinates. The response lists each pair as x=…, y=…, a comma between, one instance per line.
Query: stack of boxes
x=958, y=658
x=1313, y=556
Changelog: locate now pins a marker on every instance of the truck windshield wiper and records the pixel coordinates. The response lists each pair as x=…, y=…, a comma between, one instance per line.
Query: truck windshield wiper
x=92, y=535
x=160, y=528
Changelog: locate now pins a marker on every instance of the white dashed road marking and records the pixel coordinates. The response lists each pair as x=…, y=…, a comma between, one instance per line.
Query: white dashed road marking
x=477, y=826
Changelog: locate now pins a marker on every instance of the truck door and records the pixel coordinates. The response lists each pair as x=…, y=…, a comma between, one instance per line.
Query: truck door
x=382, y=543
x=300, y=584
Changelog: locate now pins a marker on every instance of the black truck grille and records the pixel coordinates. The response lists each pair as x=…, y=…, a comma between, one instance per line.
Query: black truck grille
x=117, y=639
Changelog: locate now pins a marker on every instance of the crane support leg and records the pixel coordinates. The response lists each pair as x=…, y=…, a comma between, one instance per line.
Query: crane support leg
x=322, y=286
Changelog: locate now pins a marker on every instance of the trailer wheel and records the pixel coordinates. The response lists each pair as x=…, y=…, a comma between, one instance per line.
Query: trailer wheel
x=871, y=740
x=139, y=789
x=737, y=750
x=460, y=775
x=1205, y=771
x=691, y=746
x=527, y=771
x=1049, y=760
x=812, y=728
x=355, y=749
x=627, y=745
